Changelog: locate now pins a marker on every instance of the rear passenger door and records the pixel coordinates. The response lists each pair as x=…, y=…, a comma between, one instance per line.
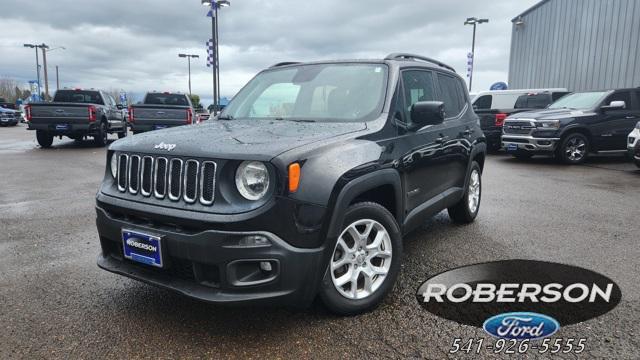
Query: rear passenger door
x=457, y=129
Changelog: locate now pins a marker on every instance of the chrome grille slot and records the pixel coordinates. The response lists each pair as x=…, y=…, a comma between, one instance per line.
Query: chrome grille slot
x=175, y=175
x=207, y=182
x=122, y=172
x=191, y=168
x=191, y=181
x=146, y=179
x=160, y=178
x=134, y=174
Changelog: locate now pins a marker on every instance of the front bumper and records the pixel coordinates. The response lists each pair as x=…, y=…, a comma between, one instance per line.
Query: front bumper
x=210, y=265
x=529, y=143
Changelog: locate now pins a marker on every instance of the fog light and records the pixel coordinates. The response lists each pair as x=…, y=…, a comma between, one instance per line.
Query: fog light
x=265, y=266
x=254, y=240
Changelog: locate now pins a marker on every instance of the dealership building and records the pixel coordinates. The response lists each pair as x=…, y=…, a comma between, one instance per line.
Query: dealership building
x=576, y=44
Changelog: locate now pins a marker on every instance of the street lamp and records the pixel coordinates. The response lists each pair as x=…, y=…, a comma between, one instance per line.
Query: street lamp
x=214, y=37
x=189, y=56
x=473, y=21
x=42, y=46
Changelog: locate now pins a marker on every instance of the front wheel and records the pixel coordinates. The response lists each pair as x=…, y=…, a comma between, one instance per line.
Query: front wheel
x=573, y=149
x=365, y=261
x=44, y=139
x=466, y=210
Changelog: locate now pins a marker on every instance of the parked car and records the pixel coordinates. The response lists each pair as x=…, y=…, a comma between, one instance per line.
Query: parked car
x=161, y=110
x=633, y=139
x=493, y=107
x=636, y=154
x=9, y=117
x=304, y=186
x=201, y=115
x=76, y=113
x=7, y=105
x=574, y=126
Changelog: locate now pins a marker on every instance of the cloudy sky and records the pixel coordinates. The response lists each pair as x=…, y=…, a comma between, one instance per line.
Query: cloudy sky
x=133, y=45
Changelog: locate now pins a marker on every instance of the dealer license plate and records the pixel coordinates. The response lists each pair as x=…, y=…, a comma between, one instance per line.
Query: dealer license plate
x=512, y=147
x=141, y=247
x=62, y=126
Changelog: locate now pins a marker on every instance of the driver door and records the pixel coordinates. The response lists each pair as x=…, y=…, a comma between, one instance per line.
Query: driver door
x=616, y=124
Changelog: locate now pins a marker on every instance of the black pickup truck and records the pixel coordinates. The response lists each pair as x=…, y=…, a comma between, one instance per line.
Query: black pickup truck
x=575, y=126
x=304, y=186
x=161, y=110
x=7, y=105
x=76, y=114
x=493, y=107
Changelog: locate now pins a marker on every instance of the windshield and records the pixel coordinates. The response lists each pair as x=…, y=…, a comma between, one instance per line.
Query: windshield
x=322, y=92
x=78, y=96
x=582, y=101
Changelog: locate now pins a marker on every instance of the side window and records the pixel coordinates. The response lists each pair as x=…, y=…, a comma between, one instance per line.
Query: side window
x=620, y=96
x=450, y=95
x=483, y=102
x=418, y=86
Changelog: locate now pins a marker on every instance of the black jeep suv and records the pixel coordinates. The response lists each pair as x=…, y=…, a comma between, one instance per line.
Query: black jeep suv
x=574, y=126
x=303, y=186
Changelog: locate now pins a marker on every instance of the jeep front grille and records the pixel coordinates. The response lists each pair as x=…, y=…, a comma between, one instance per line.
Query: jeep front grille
x=187, y=180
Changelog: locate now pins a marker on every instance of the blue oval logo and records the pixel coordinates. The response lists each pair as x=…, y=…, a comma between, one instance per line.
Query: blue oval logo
x=521, y=326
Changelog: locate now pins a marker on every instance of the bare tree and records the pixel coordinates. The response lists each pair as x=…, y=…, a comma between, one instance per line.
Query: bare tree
x=7, y=88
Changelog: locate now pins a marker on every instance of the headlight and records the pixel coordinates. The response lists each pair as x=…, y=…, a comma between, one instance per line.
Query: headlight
x=114, y=165
x=548, y=124
x=252, y=180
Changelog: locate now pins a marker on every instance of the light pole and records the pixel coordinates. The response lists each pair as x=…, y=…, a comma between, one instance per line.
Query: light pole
x=35, y=46
x=189, y=56
x=214, y=37
x=473, y=21
x=57, y=79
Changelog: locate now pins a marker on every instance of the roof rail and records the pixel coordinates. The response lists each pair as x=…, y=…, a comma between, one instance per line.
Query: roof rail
x=284, y=63
x=404, y=56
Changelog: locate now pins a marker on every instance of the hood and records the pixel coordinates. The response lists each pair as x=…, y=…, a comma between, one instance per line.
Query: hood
x=234, y=139
x=551, y=114
x=7, y=110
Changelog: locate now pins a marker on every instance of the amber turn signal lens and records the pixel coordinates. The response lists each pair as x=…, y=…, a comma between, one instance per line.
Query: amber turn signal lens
x=294, y=177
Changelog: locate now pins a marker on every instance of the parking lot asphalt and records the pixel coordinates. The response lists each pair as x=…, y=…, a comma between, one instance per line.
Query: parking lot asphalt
x=56, y=303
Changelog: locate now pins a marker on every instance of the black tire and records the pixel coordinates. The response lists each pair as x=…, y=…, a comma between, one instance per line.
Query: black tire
x=342, y=305
x=462, y=213
x=123, y=133
x=100, y=138
x=573, y=149
x=44, y=139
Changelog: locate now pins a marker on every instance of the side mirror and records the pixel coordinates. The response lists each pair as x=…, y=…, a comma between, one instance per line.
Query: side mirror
x=614, y=105
x=427, y=113
x=119, y=106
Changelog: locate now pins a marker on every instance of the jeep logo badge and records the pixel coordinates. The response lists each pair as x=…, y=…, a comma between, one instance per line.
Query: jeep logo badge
x=163, y=146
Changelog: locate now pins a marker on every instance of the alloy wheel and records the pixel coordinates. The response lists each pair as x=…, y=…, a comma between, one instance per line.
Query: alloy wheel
x=575, y=149
x=361, y=259
x=473, y=193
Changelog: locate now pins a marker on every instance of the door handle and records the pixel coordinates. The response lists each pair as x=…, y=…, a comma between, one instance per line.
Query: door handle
x=630, y=117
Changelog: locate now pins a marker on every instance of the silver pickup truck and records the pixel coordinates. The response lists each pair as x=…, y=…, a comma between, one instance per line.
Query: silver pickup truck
x=76, y=113
x=161, y=110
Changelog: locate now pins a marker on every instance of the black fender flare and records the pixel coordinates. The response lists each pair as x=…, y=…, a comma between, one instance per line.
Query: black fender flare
x=360, y=185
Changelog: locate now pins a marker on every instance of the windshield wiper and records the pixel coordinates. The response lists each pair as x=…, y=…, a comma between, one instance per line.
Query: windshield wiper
x=226, y=117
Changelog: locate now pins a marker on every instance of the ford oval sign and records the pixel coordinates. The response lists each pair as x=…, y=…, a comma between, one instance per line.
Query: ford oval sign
x=521, y=326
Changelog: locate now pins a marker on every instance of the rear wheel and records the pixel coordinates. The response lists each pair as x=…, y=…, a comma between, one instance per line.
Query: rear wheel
x=573, y=149
x=100, y=138
x=466, y=210
x=44, y=138
x=365, y=261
